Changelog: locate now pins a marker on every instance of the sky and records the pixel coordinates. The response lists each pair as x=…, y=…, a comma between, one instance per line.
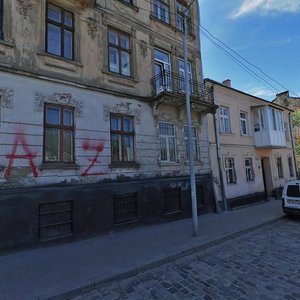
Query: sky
x=264, y=32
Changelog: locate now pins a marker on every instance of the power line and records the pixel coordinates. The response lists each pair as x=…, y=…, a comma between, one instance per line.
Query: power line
x=220, y=45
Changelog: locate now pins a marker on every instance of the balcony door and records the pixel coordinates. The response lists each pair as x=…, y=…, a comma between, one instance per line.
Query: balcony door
x=181, y=71
x=162, y=71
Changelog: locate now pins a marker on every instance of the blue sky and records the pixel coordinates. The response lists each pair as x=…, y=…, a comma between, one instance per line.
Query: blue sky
x=265, y=32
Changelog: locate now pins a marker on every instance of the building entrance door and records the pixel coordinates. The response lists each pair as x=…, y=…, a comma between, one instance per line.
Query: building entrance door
x=267, y=175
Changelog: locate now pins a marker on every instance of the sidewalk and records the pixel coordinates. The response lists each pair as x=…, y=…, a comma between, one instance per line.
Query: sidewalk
x=68, y=270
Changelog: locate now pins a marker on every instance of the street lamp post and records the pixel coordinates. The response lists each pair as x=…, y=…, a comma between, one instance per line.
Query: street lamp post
x=189, y=127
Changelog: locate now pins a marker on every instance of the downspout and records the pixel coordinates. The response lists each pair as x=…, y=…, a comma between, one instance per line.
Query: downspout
x=199, y=19
x=218, y=147
x=293, y=143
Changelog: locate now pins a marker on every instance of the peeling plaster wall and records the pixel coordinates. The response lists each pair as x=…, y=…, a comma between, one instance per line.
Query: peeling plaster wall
x=23, y=114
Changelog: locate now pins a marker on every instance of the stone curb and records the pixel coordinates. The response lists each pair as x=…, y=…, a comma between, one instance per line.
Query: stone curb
x=136, y=270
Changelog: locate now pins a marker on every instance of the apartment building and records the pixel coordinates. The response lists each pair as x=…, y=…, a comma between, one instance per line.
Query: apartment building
x=93, y=122
x=251, y=146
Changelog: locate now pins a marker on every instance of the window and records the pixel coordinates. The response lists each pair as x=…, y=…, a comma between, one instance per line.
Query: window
x=291, y=169
x=1, y=19
x=59, y=32
x=122, y=138
x=161, y=10
x=244, y=123
x=58, y=134
x=119, y=53
x=286, y=131
x=162, y=70
x=249, y=169
x=181, y=11
x=279, y=167
x=259, y=120
x=181, y=71
x=225, y=120
x=125, y=208
x=172, y=200
x=276, y=119
x=194, y=141
x=167, y=142
x=230, y=170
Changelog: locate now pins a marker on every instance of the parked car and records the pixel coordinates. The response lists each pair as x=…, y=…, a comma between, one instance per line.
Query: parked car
x=291, y=198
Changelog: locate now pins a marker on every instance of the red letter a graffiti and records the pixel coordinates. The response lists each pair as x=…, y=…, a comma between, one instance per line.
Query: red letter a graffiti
x=20, y=140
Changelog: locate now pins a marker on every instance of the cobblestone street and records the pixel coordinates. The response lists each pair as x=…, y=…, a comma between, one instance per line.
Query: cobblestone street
x=263, y=264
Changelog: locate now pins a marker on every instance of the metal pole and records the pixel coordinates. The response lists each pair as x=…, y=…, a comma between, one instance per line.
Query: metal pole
x=189, y=127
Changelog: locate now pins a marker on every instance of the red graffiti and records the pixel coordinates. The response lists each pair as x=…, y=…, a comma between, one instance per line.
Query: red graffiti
x=98, y=148
x=20, y=140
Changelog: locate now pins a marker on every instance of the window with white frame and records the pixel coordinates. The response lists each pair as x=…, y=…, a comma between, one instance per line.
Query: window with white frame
x=249, y=169
x=291, y=169
x=244, y=123
x=181, y=71
x=279, y=167
x=225, y=119
x=276, y=119
x=230, y=170
x=167, y=141
x=161, y=10
x=194, y=141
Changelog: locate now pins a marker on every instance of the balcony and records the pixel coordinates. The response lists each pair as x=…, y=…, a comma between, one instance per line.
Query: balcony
x=269, y=130
x=169, y=88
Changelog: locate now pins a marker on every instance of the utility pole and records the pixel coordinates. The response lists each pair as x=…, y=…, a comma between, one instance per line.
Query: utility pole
x=189, y=127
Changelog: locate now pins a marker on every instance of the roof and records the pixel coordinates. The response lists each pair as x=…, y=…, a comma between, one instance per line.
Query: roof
x=241, y=92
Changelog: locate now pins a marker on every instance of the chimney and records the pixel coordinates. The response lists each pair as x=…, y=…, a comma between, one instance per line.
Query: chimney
x=227, y=82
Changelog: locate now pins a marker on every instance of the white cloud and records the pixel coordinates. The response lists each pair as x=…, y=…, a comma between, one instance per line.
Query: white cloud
x=260, y=92
x=266, y=6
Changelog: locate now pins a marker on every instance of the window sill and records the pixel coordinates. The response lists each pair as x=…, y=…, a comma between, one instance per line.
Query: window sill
x=58, y=62
x=58, y=165
x=169, y=163
x=132, y=6
x=124, y=164
x=154, y=18
x=120, y=79
x=227, y=133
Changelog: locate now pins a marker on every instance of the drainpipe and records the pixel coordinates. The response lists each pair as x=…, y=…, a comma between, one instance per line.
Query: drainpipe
x=219, y=159
x=199, y=19
x=293, y=143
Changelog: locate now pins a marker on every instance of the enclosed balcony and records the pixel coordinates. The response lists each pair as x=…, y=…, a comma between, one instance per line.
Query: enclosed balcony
x=169, y=88
x=269, y=128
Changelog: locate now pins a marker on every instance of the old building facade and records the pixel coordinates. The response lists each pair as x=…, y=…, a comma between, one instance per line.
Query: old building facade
x=251, y=147
x=93, y=122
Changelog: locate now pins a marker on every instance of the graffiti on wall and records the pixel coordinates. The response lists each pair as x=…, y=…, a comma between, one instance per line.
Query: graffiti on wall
x=97, y=148
x=21, y=151
x=20, y=142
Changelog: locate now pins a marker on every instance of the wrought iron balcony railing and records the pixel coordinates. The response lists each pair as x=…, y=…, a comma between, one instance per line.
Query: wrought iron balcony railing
x=174, y=84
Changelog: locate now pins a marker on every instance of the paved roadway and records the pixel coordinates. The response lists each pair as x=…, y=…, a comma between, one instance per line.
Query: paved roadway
x=263, y=264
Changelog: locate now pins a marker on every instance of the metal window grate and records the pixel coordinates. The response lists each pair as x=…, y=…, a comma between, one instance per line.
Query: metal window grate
x=125, y=208
x=55, y=220
x=172, y=200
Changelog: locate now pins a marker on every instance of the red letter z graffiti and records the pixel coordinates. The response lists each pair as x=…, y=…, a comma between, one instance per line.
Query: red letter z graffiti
x=98, y=148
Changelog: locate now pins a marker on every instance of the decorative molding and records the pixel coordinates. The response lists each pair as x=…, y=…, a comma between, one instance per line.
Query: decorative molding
x=151, y=40
x=92, y=27
x=122, y=108
x=7, y=98
x=143, y=48
x=167, y=116
x=83, y=6
x=133, y=32
x=60, y=98
x=175, y=50
x=104, y=19
x=24, y=6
